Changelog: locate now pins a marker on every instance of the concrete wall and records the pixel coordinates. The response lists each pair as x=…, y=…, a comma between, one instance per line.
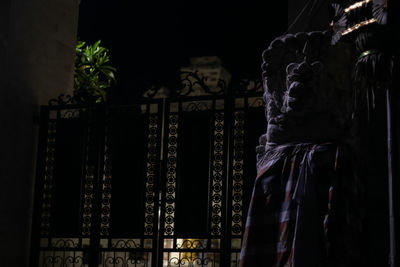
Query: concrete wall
x=37, y=39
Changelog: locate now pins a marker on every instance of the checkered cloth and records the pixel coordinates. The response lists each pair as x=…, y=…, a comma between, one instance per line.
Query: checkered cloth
x=305, y=209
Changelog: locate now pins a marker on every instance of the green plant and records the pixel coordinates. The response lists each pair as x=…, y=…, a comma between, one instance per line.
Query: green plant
x=93, y=76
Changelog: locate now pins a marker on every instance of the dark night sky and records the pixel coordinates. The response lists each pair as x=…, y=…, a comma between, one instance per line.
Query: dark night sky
x=149, y=41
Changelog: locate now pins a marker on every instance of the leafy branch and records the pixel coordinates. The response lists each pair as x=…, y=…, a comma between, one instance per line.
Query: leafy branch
x=93, y=74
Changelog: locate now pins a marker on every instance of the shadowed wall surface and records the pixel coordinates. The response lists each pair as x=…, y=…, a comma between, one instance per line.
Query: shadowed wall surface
x=37, y=40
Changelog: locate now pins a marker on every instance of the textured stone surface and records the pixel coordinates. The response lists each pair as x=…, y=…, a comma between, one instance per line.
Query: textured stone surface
x=37, y=39
x=307, y=89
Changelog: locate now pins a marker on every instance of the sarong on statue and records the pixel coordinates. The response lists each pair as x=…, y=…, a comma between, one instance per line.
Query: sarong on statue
x=305, y=209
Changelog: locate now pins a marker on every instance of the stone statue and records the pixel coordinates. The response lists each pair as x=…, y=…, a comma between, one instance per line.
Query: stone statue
x=306, y=202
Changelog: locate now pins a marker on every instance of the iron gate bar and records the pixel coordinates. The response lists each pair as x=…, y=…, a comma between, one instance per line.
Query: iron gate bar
x=42, y=141
x=229, y=101
x=95, y=234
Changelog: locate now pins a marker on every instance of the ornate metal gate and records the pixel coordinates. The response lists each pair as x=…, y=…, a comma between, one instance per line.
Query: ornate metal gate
x=162, y=183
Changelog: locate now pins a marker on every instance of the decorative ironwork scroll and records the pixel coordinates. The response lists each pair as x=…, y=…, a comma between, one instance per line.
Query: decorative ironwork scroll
x=106, y=189
x=217, y=174
x=237, y=173
x=48, y=178
x=170, y=193
x=126, y=252
x=63, y=252
x=65, y=243
x=150, y=174
x=193, y=81
x=63, y=259
x=126, y=259
x=192, y=259
x=70, y=113
x=88, y=190
x=197, y=105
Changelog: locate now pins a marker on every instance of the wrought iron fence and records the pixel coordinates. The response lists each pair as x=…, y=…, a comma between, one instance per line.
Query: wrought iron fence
x=165, y=182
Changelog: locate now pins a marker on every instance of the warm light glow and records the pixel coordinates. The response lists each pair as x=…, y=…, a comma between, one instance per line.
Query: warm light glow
x=355, y=27
x=356, y=5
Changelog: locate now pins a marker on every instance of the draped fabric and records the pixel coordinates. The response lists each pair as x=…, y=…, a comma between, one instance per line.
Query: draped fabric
x=305, y=209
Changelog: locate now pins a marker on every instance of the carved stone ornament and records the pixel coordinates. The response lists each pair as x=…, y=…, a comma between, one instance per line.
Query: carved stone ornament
x=307, y=89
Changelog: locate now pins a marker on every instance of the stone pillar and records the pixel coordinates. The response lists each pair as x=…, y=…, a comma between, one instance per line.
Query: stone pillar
x=37, y=40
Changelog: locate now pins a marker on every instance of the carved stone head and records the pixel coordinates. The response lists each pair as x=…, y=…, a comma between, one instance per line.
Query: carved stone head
x=307, y=88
